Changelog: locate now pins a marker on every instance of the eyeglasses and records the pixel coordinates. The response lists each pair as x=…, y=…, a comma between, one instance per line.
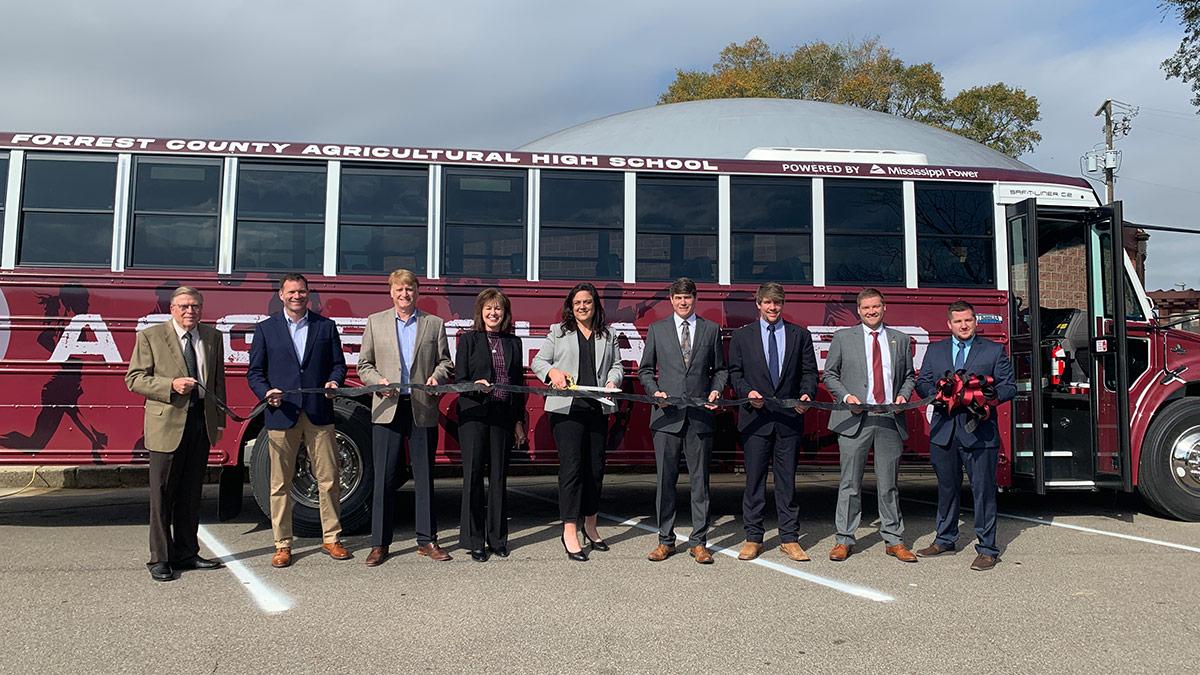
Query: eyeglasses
x=189, y=308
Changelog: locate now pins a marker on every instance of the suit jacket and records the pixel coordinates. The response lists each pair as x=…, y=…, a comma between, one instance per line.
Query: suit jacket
x=748, y=372
x=274, y=365
x=846, y=373
x=156, y=360
x=662, y=369
x=562, y=352
x=985, y=358
x=379, y=359
x=473, y=361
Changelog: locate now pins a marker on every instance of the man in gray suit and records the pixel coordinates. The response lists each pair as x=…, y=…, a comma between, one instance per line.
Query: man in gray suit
x=869, y=363
x=683, y=357
x=402, y=345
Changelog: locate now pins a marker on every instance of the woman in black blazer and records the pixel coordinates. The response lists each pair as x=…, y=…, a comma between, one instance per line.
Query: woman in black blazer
x=490, y=423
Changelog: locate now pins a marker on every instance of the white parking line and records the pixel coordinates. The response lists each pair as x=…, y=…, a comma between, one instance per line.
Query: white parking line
x=841, y=586
x=268, y=599
x=1077, y=528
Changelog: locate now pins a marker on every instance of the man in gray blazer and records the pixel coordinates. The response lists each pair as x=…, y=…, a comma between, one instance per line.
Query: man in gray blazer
x=869, y=363
x=683, y=357
x=403, y=345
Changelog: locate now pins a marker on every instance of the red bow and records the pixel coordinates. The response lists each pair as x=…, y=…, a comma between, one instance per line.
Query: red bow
x=959, y=391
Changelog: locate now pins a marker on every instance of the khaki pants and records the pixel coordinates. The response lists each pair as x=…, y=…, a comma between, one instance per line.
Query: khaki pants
x=284, y=446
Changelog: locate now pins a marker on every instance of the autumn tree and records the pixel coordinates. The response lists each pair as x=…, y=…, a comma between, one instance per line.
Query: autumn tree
x=1185, y=63
x=866, y=75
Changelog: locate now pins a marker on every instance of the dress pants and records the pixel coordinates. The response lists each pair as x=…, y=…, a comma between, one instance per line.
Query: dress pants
x=284, y=447
x=697, y=451
x=580, y=437
x=387, y=449
x=948, y=462
x=778, y=452
x=176, y=483
x=486, y=438
x=878, y=431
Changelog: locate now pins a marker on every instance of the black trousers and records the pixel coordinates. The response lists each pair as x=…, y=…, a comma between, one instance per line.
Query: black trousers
x=778, y=453
x=579, y=436
x=387, y=449
x=485, y=439
x=176, y=484
x=948, y=464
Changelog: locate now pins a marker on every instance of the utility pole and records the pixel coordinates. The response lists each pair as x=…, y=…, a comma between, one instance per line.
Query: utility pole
x=1106, y=110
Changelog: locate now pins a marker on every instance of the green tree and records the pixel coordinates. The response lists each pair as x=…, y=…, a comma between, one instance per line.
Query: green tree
x=866, y=75
x=1185, y=64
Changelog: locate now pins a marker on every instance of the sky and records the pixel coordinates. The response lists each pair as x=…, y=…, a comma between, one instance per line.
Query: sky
x=498, y=74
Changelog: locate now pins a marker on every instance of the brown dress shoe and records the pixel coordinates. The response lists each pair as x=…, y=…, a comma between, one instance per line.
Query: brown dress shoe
x=839, y=552
x=701, y=554
x=900, y=552
x=933, y=549
x=282, y=557
x=750, y=550
x=336, y=551
x=661, y=552
x=377, y=556
x=433, y=552
x=793, y=551
x=984, y=563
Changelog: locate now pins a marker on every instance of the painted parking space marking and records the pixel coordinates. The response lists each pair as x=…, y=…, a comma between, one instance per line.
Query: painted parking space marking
x=268, y=599
x=842, y=586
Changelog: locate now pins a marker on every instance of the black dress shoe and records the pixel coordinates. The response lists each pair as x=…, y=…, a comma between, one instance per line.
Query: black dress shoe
x=501, y=551
x=595, y=544
x=579, y=556
x=198, y=563
x=479, y=555
x=162, y=572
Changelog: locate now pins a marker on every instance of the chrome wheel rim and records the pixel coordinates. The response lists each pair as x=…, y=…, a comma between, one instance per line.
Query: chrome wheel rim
x=1185, y=460
x=350, y=472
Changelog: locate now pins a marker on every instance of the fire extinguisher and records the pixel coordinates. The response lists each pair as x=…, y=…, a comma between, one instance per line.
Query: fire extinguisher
x=1058, y=364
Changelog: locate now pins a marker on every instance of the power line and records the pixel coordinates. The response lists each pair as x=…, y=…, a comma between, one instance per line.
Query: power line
x=1162, y=111
x=1162, y=185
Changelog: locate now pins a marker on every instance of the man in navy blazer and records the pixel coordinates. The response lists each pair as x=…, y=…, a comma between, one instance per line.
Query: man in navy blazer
x=954, y=442
x=299, y=349
x=771, y=358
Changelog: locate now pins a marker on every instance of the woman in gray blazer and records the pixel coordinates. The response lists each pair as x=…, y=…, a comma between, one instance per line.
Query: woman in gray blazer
x=580, y=350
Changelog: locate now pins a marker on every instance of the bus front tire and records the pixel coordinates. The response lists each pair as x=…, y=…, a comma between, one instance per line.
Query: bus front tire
x=1169, y=467
x=352, y=445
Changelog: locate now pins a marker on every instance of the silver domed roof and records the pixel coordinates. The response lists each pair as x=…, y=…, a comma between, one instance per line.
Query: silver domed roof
x=730, y=128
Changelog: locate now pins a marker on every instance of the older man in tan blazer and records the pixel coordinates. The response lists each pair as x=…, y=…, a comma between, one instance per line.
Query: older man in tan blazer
x=179, y=367
x=403, y=345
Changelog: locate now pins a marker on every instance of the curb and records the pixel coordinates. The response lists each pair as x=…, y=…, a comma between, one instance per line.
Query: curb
x=85, y=477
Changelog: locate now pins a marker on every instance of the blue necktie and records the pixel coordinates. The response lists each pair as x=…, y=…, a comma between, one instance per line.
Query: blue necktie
x=960, y=359
x=772, y=355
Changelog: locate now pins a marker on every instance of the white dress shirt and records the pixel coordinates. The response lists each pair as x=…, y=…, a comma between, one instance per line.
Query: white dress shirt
x=198, y=345
x=885, y=350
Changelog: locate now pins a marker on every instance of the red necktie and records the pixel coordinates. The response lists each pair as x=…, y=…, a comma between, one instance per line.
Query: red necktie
x=877, y=369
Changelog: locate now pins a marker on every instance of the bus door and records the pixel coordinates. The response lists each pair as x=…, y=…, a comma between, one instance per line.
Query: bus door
x=1067, y=348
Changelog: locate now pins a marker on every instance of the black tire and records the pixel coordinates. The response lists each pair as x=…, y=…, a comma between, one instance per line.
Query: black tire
x=353, y=445
x=1171, y=443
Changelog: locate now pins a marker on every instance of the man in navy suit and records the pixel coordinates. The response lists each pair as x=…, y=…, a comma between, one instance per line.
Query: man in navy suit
x=954, y=442
x=299, y=349
x=771, y=357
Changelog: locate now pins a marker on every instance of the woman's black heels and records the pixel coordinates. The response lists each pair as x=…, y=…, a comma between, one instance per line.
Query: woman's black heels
x=595, y=544
x=579, y=556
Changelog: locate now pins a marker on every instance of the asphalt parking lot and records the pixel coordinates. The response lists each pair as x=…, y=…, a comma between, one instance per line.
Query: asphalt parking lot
x=1087, y=581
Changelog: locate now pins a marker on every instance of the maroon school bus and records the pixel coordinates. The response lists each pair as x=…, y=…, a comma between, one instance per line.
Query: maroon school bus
x=98, y=231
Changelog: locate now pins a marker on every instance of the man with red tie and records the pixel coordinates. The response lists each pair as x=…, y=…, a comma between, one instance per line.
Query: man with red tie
x=869, y=363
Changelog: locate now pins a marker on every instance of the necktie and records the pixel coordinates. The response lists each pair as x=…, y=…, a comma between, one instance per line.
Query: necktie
x=685, y=344
x=773, y=355
x=189, y=360
x=960, y=359
x=877, y=369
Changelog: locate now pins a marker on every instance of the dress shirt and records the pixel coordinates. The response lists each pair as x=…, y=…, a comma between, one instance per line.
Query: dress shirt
x=198, y=345
x=955, y=343
x=406, y=337
x=886, y=351
x=691, y=322
x=780, y=341
x=299, y=332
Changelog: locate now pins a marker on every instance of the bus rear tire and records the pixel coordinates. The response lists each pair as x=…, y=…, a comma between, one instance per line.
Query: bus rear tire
x=1169, y=468
x=352, y=444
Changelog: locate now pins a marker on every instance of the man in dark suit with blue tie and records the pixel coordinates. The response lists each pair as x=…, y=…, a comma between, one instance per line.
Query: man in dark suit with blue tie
x=959, y=440
x=299, y=349
x=771, y=357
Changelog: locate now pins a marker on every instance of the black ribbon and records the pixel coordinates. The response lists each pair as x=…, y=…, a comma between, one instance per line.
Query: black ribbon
x=674, y=401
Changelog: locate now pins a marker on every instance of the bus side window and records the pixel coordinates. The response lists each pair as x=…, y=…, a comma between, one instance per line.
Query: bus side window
x=175, y=206
x=382, y=220
x=67, y=210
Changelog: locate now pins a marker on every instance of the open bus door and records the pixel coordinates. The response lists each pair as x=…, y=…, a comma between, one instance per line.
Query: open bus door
x=1067, y=342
